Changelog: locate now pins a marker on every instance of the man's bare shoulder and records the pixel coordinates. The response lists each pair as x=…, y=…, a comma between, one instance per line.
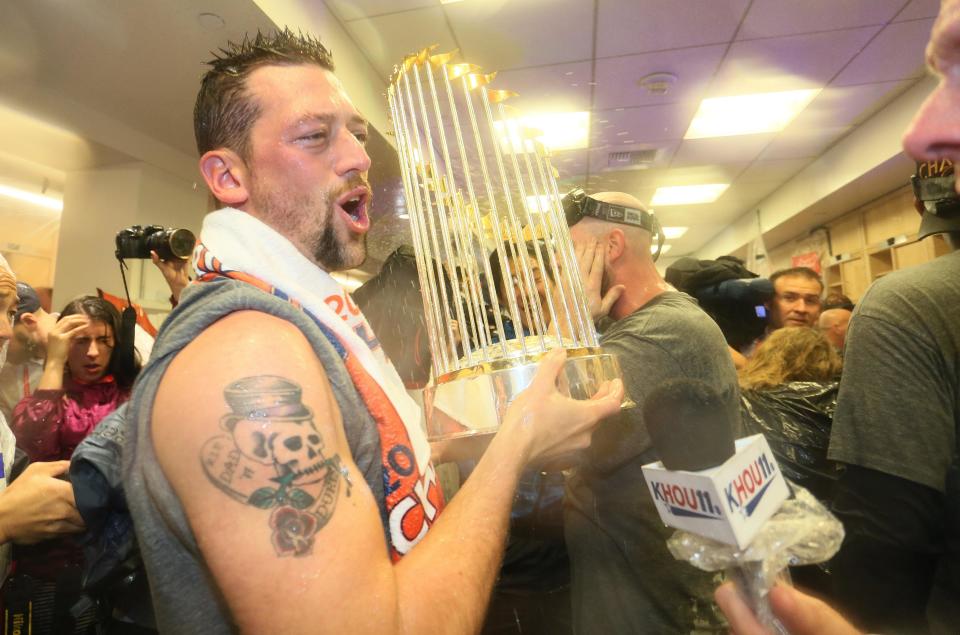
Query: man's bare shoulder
x=243, y=332
x=240, y=345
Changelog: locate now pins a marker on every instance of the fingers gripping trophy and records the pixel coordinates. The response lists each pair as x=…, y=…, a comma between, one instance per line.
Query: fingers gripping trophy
x=496, y=264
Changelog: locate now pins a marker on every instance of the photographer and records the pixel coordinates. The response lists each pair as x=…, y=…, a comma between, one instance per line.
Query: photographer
x=168, y=248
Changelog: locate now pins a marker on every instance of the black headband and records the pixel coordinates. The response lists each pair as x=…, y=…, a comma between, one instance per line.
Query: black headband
x=577, y=204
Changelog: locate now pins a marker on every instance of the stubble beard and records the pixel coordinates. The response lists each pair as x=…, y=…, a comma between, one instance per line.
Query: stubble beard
x=307, y=220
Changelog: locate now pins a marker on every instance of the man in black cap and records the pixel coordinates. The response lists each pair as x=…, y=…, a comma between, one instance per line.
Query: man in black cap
x=897, y=419
x=27, y=351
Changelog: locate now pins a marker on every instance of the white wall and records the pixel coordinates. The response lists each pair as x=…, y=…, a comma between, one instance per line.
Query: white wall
x=98, y=203
x=365, y=87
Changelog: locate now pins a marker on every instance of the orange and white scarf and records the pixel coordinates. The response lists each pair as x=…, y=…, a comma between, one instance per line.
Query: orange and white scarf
x=236, y=245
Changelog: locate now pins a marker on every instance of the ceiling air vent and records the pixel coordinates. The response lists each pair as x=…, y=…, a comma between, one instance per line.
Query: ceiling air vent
x=631, y=159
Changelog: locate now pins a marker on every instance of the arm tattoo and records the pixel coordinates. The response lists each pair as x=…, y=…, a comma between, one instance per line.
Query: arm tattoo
x=270, y=456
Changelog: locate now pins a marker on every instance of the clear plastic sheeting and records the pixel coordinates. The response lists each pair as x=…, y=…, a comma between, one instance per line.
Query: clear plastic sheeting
x=802, y=532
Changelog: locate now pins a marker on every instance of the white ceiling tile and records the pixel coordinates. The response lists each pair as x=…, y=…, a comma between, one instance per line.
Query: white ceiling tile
x=559, y=88
x=919, y=9
x=644, y=183
x=646, y=124
x=508, y=35
x=778, y=171
x=845, y=105
x=348, y=10
x=787, y=63
x=896, y=53
x=800, y=145
x=617, y=77
x=626, y=27
x=771, y=18
x=720, y=149
x=600, y=159
x=570, y=163
x=740, y=199
x=388, y=38
x=704, y=227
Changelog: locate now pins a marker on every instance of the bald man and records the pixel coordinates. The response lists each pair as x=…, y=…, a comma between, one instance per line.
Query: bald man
x=833, y=325
x=623, y=578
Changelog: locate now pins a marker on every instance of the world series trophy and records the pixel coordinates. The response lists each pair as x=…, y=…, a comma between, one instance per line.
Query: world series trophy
x=496, y=265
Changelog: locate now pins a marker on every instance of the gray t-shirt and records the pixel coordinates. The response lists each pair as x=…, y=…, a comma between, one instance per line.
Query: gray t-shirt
x=624, y=579
x=185, y=597
x=899, y=404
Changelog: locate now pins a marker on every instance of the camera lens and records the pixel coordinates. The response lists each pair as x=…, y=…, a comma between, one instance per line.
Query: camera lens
x=181, y=243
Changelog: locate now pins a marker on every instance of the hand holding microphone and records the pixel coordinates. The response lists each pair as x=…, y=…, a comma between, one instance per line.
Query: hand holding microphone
x=728, y=498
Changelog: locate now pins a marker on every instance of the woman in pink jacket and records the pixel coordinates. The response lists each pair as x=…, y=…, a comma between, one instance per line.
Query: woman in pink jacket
x=88, y=373
x=85, y=378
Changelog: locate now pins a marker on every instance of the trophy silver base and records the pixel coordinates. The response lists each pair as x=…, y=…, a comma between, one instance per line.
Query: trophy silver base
x=472, y=401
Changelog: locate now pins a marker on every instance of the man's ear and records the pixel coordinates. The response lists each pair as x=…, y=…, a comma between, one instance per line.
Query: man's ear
x=226, y=175
x=29, y=320
x=616, y=245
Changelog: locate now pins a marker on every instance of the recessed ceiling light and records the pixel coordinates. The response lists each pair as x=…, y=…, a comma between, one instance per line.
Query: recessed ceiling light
x=748, y=114
x=665, y=249
x=673, y=232
x=29, y=197
x=558, y=130
x=449, y=1
x=688, y=194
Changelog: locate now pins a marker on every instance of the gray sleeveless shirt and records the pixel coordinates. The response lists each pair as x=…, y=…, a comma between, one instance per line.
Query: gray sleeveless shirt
x=186, y=598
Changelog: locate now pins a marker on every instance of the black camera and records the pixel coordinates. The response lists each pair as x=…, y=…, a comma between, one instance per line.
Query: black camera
x=169, y=243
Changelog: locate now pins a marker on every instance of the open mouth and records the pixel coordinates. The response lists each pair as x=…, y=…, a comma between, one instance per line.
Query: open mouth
x=353, y=204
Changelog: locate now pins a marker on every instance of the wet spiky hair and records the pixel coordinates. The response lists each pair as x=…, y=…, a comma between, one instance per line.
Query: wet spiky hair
x=225, y=111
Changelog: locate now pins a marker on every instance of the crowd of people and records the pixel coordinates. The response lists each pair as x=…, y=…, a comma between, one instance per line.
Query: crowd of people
x=265, y=469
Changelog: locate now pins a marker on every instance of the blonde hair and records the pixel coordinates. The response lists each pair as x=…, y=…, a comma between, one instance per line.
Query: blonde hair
x=795, y=353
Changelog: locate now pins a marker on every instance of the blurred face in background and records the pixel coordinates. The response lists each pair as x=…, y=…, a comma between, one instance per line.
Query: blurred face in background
x=30, y=336
x=796, y=302
x=517, y=285
x=90, y=352
x=8, y=309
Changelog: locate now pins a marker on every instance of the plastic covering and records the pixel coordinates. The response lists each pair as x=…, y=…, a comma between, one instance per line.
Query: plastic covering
x=802, y=532
x=795, y=418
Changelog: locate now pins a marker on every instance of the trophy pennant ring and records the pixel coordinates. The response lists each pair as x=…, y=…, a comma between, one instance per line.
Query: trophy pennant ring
x=496, y=264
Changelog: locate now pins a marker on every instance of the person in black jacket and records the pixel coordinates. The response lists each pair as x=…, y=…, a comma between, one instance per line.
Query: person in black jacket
x=788, y=393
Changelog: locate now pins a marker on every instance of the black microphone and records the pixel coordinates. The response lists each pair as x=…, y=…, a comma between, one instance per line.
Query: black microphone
x=688, y=425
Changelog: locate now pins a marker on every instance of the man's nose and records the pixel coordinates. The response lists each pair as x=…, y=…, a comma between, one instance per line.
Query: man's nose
x=93, y=350
x=935, y=130
x=351, y=154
